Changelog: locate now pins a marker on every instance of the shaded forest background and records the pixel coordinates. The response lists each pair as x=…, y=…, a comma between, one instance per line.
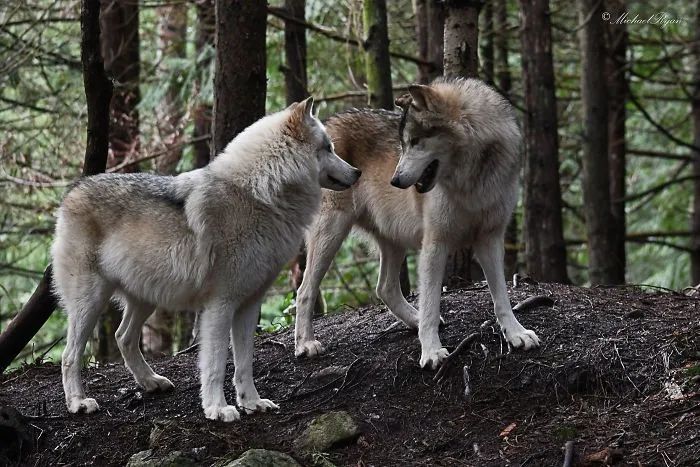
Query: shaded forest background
x=161, y=57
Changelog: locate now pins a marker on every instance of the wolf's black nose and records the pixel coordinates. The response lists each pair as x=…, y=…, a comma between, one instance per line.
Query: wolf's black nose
x=396, y=181
x=358, y=173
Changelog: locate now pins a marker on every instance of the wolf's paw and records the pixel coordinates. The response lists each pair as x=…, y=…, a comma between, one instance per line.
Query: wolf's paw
x=309, y=349
x=258, y=405
x=432, y=358
x=80, y=404
x=226, y=413
x=522, y=338
x=156, y=383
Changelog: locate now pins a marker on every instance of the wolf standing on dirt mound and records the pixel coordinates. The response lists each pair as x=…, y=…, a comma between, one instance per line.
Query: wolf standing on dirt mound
x=211, y=239
x=457, y=143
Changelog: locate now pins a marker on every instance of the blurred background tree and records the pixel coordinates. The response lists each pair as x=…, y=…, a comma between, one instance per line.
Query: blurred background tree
x=549, y=59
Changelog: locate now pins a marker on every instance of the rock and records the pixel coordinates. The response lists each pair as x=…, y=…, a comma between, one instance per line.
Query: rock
x=149, y=458
x=327, y=431
x=261, y=458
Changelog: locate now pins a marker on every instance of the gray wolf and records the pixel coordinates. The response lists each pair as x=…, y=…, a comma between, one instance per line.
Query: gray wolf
x=212, y=239
x=457, y=143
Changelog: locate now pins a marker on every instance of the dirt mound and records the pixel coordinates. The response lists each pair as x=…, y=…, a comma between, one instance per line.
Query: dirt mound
x=616, y=374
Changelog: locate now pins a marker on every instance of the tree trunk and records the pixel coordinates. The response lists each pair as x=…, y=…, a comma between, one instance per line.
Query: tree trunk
x=202, y=113
x=120, y=50
x=420, y=10
x=461, y=60
x=430, y=29
x=436, y=37
x=545, y=251
x=596, y=168
x=378, y=70
x=461, y=38
x=617, y=87
x=487, y=44
x=377, y=62
x=172, y=42
x=695, y=109
x=295, y=81
x=504, y=83
x=98, y=93
x=240, y=79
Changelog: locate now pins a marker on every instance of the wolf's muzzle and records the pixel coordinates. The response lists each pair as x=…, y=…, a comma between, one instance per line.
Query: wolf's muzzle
x=396, y=181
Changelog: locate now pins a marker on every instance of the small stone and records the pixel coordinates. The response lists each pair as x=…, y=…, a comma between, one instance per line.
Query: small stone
x=327, y=431
x=261, y=458
x=149, y=458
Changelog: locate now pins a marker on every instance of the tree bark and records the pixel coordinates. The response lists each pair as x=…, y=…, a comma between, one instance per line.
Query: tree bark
x=172, y=43
x=430, y=29
x=461, y=60
x=420, y=10
x=462, y=38
x=120, y=50
x=504, y=82
x=377, y=62
x=695, y=154
x=596, y=167
x=204, y=47
x=487, y=44
x=295, y=80
x=545, y=251
x=98, y=93
x=240, y=79
x=616, y=70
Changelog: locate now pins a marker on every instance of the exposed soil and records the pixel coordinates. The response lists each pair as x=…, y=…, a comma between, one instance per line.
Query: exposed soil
x=615, y=371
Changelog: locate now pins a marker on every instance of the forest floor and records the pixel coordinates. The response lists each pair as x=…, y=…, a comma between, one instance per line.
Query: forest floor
x=617, y=374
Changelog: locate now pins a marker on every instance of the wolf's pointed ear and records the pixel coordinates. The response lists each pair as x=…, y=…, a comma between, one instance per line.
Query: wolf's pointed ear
x=308, y=106
x=403, y=101
x=423, y=96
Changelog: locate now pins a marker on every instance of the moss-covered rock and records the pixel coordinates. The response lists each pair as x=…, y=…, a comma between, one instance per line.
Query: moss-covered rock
x=149, y=458
x=261, y=458
x=328, y=430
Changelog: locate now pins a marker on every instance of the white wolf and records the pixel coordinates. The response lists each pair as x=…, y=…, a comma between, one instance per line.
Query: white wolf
x=212, y=239
x=457, y=142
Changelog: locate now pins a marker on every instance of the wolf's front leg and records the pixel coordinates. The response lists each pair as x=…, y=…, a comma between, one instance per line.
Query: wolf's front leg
x=214, y=329
x=242, y=332
x=323, y=241
x=433, y=257
x=489, y=252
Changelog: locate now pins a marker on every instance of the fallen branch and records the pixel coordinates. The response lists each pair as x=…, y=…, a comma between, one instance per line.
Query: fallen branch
x=534, y=302
x=449, y=361
x=189, y=349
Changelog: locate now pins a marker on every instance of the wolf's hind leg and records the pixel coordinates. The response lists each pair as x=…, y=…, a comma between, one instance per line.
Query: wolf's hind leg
x=324, y=240
x=489, y=252
x=388, y=286
x=214, y=330
x=128, y=338
x=245, y=320
x=86, y=299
